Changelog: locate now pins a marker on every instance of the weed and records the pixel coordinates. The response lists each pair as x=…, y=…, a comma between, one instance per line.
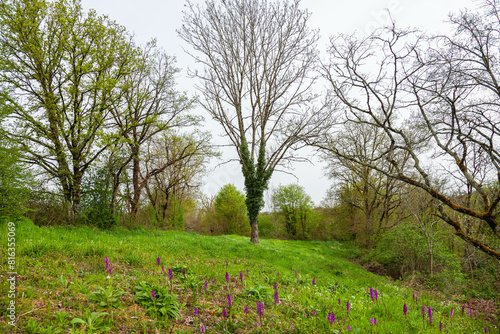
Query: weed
x=93, y=322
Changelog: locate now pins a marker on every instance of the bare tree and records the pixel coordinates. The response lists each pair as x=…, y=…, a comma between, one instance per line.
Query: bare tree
x=186, y=157
x=373, y=194
x=437, y=100
x=259, y=58
x=150, y=105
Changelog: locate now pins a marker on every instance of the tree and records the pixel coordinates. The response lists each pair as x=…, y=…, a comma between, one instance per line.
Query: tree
x=374, y=196
x=259, y=58
x=294, y=207
x=149, y=105
x=185, y=157
x=436, y=100
x=230, y=210
x=61, y=68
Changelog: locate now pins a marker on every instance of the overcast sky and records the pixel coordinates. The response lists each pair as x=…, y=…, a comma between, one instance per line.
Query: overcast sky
x=159, y=19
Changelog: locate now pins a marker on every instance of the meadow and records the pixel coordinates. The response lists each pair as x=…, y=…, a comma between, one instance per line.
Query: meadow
x=83, y=280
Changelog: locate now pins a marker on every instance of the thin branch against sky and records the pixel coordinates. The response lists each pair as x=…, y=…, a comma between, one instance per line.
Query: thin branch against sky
x=159, y=19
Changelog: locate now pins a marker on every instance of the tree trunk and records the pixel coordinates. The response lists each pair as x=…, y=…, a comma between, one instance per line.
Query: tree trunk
x=255, y=232
x=134, y=203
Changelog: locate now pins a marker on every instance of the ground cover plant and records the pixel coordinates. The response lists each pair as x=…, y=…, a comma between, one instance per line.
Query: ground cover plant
x=83, y=280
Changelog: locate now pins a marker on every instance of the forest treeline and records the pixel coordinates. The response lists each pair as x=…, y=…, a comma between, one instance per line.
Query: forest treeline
x=94, y=131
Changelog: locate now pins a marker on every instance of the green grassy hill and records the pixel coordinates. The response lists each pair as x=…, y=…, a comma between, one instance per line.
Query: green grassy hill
x=207, y=284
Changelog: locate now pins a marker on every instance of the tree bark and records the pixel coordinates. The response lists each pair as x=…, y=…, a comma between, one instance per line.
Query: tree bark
x=255, y=232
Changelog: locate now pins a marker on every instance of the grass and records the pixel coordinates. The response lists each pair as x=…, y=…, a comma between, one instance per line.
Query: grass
x=63, y=286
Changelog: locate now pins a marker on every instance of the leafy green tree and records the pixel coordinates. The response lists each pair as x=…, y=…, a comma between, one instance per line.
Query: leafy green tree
x=259, y=59
x=294, y=206
x=62, y=68
x=231, y=210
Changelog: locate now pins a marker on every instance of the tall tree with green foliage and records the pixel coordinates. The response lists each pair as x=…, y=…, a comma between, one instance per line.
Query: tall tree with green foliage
x=62, y=68
x=231, y=210
x=294, y=207
x=259, y=59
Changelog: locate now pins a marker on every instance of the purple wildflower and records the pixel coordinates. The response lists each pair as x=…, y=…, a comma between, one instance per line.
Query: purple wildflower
x=295, y=273
x=229, y=300
x=227, y=277
x=348, y=305
x=163, y=269
x=314, y=281
x=372, y=294
x=470, y=312
x=314, y=312
x=452, y=311
x=463, y=309
x=423, y=311
x=213, y=281
x=202, y=329
x=158, y=260
x=373, y=321
x=241, y=276
x=297, y=280
x=227, y=263
x=485, y=329
x=170, y=273
x=184, y=272
x=196, y=311
x=224, y=312
x=405, y=310
x=331, y=317
x=153, y=295
x=376, y=294
x=278, y=273
x=246, y=309
x=108, y=266
x=440, y=326
x=260, y=309
x=429, y=310
x=276, y=296
x=247, y=272
x=339, y=302
x=349, y=328
x=206, y=286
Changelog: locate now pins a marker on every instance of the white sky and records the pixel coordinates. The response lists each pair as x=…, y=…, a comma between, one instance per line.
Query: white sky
x=159, y=19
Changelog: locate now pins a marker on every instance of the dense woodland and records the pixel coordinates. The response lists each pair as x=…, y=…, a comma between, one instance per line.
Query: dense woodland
x=94, y=131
